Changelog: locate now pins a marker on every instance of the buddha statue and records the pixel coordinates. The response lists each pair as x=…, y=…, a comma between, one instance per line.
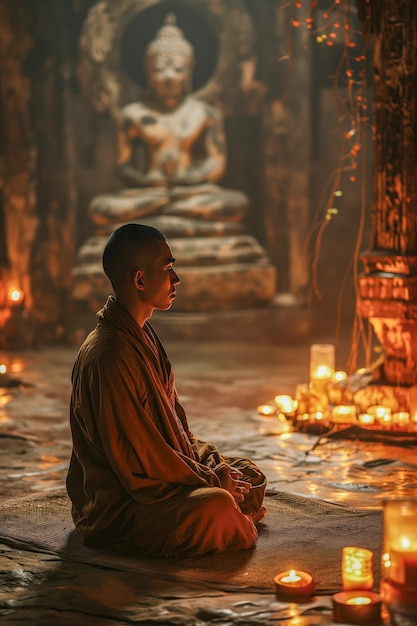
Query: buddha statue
x=171, y=151
x=171, y=157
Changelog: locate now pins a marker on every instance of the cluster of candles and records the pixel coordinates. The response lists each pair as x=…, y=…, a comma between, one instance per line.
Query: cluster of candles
x=356, y=604
x=322, y=400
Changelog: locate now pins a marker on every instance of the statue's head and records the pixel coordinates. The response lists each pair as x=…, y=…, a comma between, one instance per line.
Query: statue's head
x=169, y=61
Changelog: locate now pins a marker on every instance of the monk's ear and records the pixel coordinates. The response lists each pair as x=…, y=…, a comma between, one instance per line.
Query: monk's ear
x=138, y=280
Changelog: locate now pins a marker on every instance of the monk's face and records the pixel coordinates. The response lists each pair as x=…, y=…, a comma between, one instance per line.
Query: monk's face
x=158, y=277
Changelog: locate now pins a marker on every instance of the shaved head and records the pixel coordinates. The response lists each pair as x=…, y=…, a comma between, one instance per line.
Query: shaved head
x=126, y=248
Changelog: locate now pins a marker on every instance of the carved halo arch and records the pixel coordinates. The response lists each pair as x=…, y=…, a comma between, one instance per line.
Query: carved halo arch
x=102, y=72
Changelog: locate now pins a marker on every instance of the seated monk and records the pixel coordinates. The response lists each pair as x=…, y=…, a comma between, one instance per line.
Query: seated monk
x=139, y=480
x=171, y=149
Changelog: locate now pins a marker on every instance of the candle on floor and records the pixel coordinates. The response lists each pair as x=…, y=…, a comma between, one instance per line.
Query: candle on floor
x=322, y=366
x=357, y=607
x=286, y=404
x=344, y=414
x=339, y=376
x=366, y=419
x=318, y=416
x=336, y=388
x=380, y=413
x=357, y=568
x=399, y=557
x=294, y=585
x=267, y=410
x=401, y=418
x=15, y=295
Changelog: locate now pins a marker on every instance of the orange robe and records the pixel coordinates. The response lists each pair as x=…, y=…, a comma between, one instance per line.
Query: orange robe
x=138, y=478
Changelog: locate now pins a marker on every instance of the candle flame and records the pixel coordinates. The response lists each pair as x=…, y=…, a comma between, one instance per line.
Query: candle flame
x=359, y=600
x=405, y=543
x=292, y=577
x=3, y=368
x=323, y=371
x=266, y=409
x=339, y=376
x=15, y=295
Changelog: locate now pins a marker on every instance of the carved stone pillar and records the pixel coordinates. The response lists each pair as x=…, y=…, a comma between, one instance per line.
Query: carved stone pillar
x=388, y=286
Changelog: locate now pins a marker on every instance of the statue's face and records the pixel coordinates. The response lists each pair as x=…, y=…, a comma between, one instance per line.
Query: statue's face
x=169, y=75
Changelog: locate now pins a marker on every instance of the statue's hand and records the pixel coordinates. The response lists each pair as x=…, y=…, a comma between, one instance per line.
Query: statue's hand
x=155, y=178
x=169, y=163
x=191, y=177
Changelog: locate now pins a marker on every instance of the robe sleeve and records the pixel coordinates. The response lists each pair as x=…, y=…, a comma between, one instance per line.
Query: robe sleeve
x=148, y=467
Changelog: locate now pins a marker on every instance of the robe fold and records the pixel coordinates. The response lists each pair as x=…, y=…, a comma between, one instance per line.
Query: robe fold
x=138, y=478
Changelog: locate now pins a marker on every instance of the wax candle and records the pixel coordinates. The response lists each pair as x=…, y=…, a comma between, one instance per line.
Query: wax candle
x=267, y=410
x=357, y=607
x=339, y=376
x=322, y=366
x=380, y=413
x=365, y=419
x=337, y=387
x=344, y=414
x=399, y=558
x=15, y=295
x=401, y=418
x=318, y=416
x=357, y=568
x=286, y=404
x=294, y=585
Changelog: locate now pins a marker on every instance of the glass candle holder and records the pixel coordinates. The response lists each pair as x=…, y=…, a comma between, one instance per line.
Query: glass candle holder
x=322, y=366
x=357, y=570
x=399, y=560
x=322, y=361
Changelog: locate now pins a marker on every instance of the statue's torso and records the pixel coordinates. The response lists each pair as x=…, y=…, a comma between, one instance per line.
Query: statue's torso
x=180, y=128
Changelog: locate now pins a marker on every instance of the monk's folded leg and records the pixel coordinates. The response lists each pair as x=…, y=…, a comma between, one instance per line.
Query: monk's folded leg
x=205, y=520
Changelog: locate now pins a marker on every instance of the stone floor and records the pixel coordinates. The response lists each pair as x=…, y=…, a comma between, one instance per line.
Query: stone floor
x=221, y=386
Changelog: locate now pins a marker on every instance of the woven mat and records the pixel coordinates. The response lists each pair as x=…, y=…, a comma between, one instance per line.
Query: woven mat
x=298, y=533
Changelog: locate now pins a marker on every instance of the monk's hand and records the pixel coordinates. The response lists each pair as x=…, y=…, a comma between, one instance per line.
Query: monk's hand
x=231, y=480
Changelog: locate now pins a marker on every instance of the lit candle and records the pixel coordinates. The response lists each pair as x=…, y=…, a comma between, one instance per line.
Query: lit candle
x=267, y=410
x=3, y=368
x=294, y=585
x=354, y=607
x=336, y=388
x=386, y=420
x=359, y=600
x=357, y=568
x=365, y=419
x=316, y=417
x=401, y=418
x=15, y=295
x=399, y=558
x=291, y=577
x=322, y=366
x=381, y=414
x=339, y=376
x=286, y=404
x=344, y=414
